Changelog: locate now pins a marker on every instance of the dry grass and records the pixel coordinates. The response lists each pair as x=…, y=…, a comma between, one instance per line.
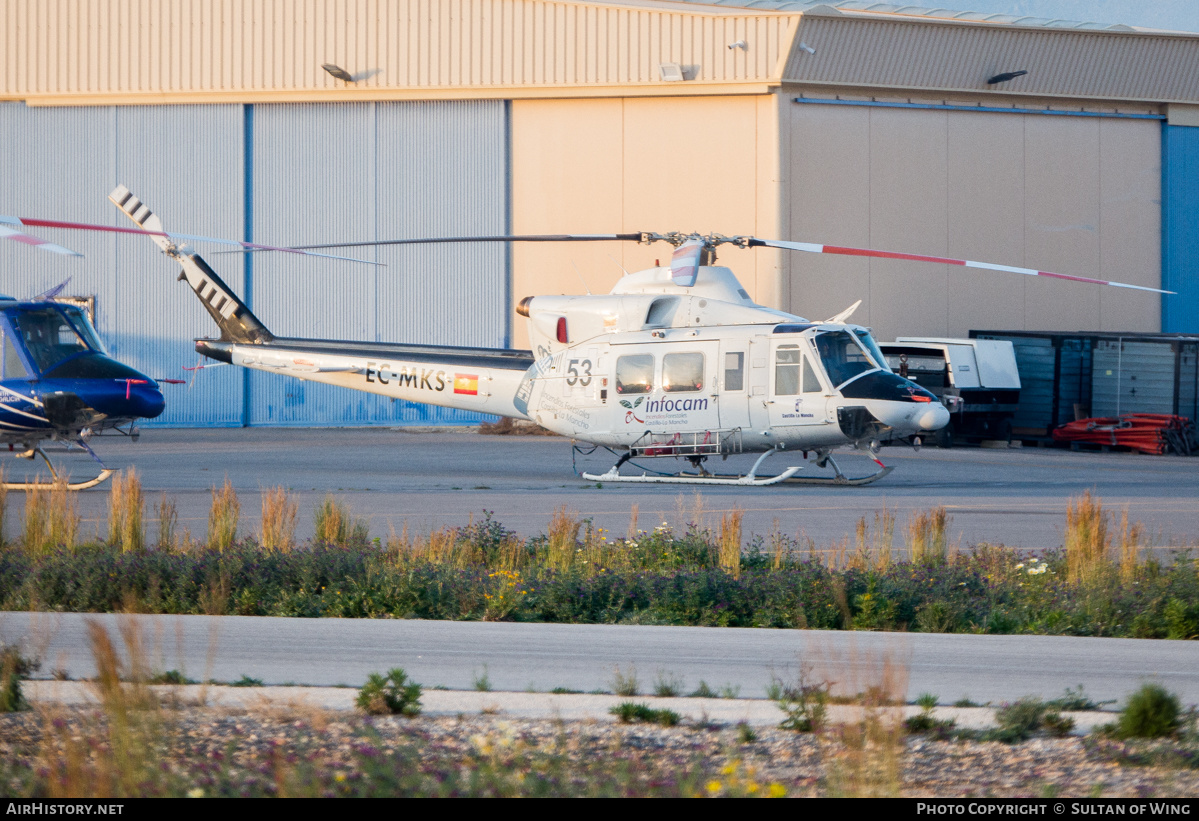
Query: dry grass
x=729, y=541
x=1132, y=540
x=223, y=517
x=168, y=519
x=3, y=503
x=118, y=753
x=51, y=517
x=126, y=509
x=1087, y=540
x=563, y=539
x=869, y=762
x=278, y=520
x=928, y=537
x=632, y=535
x=875, y=544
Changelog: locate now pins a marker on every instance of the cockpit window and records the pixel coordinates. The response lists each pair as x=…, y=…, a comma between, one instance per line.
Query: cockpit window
x=48, y=337
x=843, y=357
x=635, y=374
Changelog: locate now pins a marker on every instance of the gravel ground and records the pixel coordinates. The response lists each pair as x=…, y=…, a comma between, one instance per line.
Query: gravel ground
x=716, y=757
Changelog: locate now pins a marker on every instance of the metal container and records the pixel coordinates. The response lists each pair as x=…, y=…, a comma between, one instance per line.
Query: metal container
x=1069, y=376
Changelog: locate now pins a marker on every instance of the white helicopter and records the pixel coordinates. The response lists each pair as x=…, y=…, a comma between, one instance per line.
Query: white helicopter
x=677, y=361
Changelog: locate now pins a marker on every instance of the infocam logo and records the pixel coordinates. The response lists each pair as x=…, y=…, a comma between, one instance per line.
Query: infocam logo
x=667, y=405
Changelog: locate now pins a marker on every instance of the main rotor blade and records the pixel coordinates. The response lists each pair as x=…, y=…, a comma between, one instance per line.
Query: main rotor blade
x=85, y=226
x=495, y=238
x=988, y=266
x=29, y=239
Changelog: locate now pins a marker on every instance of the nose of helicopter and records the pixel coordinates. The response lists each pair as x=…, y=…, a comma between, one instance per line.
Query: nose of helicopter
x=146, y=400
x=935, y=418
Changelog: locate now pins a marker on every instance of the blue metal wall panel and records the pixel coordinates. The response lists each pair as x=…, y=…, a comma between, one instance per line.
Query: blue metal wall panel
x=185, y=162
x=1180, y=228
x=324, y=173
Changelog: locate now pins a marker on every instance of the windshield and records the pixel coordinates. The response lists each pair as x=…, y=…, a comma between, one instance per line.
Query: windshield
x=48, y=336
x=843, y=356
x=872, y=348
x=85, y=328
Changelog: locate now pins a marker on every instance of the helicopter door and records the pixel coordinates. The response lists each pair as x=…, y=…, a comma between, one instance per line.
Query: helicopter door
x=798, y=395
x=759, y=383
x=733, y=385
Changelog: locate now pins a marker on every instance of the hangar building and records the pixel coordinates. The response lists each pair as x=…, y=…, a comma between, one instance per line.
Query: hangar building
x=848, y=123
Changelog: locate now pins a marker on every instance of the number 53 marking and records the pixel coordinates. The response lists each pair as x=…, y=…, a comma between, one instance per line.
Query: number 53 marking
x=580, y=372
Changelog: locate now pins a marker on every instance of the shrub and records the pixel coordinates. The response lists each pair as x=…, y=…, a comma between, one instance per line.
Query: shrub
x=805, y=703
x=667, y=685
x=628, y=712
x=1151, y=712
x=625, y=684
x=391, y=694
x=1021, y=719
x=12, y=667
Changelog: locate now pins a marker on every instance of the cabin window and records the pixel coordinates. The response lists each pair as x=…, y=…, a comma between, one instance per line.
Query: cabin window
x=682, y=372
x=635, y=374
x=810, y=383
x=14, y=368
x=786, y=370
x=734, y=371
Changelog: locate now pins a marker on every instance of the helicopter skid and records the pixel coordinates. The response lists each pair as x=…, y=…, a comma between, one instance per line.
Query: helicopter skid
x=104, y=474
x=695, y=478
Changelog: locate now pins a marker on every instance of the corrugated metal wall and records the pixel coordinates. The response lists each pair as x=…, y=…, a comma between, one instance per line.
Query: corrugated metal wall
x=312, y=173
x=1180, y=228
x=1132, y=377
x=324, y=173
x=186, y=163
x=273, y=49
x=892, y=52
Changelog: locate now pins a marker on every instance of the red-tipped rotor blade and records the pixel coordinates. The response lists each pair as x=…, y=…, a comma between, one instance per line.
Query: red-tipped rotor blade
x=33, y=222
x=8, y=232
x=988, y=266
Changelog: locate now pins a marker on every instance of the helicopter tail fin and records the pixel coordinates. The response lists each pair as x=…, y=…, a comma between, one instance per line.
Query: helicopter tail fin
x=236, y=321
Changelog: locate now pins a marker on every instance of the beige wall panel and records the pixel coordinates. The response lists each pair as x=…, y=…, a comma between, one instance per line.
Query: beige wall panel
x=690, y=165
x=826, y=199
x=138, y=51
x=1130, y=223
x=985, y=193
x=909, y=213
x=600, y=166
x=1062, y=220
x=567, y=158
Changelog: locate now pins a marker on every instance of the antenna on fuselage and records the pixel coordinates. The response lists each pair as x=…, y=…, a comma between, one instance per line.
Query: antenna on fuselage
x=618, y=265
x=580, y=273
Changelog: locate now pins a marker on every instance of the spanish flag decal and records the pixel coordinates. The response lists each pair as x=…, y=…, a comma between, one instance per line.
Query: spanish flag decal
x=467, y=383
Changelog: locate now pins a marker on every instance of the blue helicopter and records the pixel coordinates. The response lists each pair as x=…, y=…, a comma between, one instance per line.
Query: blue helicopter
x=57, y=381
